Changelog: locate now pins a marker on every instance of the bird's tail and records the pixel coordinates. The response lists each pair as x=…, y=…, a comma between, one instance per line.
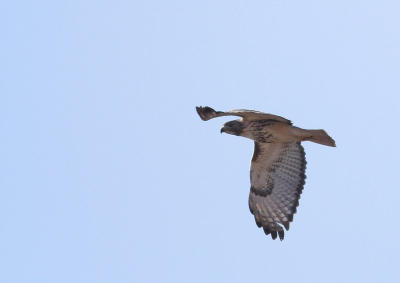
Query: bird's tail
x=318, y=136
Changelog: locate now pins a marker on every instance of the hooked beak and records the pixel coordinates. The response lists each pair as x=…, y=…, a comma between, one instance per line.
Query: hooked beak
x=222, y=130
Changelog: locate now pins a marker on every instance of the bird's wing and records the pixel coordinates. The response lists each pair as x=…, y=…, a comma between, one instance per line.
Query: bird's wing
x=277, y=177
x=207, y=113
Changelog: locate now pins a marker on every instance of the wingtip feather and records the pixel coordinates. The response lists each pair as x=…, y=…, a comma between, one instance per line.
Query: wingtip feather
x=206, y=112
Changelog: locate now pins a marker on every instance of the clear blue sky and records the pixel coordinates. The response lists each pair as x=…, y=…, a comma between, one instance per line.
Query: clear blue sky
x=109, y=175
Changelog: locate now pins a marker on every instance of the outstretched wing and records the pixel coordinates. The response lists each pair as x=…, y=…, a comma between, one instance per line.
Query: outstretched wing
x=207, y=113
x=277, y=177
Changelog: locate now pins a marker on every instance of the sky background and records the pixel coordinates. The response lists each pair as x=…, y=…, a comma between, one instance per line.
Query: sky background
x=109, y=175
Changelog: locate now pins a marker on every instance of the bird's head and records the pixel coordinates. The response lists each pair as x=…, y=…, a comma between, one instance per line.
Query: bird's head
x=234, y=127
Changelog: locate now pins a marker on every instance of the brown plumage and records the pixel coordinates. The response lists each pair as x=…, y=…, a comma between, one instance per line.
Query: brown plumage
x=277, y=172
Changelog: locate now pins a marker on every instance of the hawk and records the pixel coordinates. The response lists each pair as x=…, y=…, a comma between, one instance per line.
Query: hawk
x=277, y=171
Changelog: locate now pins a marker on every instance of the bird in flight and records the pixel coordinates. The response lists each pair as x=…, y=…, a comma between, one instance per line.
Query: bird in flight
x=277, y=171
